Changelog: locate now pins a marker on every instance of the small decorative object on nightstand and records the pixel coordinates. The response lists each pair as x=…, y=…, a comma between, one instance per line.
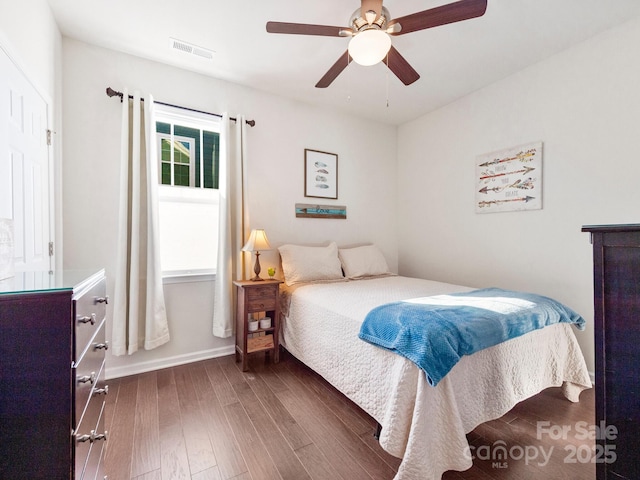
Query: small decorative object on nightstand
x=258, y=300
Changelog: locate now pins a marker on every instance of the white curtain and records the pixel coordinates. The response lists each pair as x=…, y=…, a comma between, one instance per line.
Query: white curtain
x=232, y=222
x=139, y=313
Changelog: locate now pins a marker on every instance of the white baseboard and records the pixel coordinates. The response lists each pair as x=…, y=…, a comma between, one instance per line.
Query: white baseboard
x=142, y=367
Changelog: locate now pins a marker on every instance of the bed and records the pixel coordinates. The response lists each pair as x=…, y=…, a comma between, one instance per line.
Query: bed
x=424, y=425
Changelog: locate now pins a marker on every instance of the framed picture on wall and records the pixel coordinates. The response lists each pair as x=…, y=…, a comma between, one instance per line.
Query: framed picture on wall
x=509, y=179
x=320, y=174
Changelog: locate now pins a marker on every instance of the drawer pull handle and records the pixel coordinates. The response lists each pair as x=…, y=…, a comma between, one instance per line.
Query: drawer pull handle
x=104, y=299
x=88, y=319
x=101, y=391
x=91, y=437
x=88, y=378
x=101, y=346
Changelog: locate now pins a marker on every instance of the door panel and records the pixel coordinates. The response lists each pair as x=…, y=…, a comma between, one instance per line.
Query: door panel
x=24, y=167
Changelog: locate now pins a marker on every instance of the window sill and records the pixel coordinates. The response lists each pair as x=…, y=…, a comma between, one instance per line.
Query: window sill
x=189, y=276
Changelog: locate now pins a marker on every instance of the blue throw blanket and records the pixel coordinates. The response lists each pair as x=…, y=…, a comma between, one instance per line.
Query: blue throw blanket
x=434, y=332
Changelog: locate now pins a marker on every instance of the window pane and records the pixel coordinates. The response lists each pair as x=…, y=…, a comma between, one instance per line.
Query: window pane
x=166, y=174
x=163, y=127
x=181, y=152
x=181, y=175
x=211, y=154
x=197, y=222
x=165, y=153
x=186, y=151
x=194, y=135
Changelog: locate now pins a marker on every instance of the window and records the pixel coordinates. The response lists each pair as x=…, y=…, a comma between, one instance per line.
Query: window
x=188, y=166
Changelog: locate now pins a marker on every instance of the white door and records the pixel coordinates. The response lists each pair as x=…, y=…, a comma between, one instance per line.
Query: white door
x=24, y=167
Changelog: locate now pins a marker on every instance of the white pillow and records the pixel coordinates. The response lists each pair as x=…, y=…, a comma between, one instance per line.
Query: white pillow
x=307, y=264
x=364, y=261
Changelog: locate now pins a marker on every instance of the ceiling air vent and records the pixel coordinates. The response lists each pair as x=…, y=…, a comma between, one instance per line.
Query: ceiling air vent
x=191, y=49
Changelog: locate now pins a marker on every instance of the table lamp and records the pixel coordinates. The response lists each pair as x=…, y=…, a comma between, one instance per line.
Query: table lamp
x=257, y=241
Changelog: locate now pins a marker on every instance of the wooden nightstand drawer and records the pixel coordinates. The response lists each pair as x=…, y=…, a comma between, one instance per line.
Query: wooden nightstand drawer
x=261, y=292
x=261, y=304
x=262, y=298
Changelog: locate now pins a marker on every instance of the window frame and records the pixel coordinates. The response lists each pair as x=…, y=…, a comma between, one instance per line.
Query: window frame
x=179, y=193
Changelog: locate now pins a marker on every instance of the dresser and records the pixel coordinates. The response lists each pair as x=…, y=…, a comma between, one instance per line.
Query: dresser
x=52, y=384
x=616, y=267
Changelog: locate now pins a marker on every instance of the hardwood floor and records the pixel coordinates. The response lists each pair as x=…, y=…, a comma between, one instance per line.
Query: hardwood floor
x=209, y=421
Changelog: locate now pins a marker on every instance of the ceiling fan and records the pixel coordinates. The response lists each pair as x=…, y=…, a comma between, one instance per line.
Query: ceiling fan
x=370, y=28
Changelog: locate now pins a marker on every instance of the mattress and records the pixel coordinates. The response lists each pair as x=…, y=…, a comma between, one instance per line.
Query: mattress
x=425, y=426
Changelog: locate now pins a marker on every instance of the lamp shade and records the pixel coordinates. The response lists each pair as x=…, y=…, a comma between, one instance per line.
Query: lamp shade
x=257, y=241
x=369, y=47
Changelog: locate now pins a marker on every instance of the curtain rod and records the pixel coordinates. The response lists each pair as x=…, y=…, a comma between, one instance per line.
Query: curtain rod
x=112, y=93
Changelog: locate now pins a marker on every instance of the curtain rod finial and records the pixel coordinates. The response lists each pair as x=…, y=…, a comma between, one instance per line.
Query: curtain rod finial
x=112, y=93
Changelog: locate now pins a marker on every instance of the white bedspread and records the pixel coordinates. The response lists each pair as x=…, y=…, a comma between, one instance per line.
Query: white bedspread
x=423, y=425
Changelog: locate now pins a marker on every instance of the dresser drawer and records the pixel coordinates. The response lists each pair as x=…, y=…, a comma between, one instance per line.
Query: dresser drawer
x=90, y=441
x=89, y=310
x=100, y=473
x=89, y=373
x=262, y=298
x=86, y=398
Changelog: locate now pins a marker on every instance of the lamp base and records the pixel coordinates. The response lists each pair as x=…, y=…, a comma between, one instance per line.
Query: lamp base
x=256, y=269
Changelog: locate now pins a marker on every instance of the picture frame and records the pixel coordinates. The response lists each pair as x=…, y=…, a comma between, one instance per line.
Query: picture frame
x=510, y=179
x=320, y=174
x=308, y=210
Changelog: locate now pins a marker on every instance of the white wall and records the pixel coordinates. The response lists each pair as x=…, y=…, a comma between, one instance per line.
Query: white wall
x=584, y=104
x=29, y=31
x=367, y=178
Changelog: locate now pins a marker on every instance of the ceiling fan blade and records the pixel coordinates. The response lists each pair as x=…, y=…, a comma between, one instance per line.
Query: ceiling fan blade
x=305, y=29
x=434, y=17
x=334, y=71
x=375, y=5
x=400, y=67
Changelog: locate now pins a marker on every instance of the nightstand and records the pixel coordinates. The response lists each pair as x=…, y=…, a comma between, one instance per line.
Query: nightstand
x=260, y=299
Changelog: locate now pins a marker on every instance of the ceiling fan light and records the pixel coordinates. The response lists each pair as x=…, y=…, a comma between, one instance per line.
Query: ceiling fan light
x=369, y=47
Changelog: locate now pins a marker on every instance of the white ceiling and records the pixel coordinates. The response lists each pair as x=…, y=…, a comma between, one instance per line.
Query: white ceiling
x=452, y=60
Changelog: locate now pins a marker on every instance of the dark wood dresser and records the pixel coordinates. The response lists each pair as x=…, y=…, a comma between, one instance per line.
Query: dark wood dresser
x=52, y=387
x=616, y=267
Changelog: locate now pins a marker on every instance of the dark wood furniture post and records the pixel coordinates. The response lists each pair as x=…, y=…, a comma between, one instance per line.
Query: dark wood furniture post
x=616, y=267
